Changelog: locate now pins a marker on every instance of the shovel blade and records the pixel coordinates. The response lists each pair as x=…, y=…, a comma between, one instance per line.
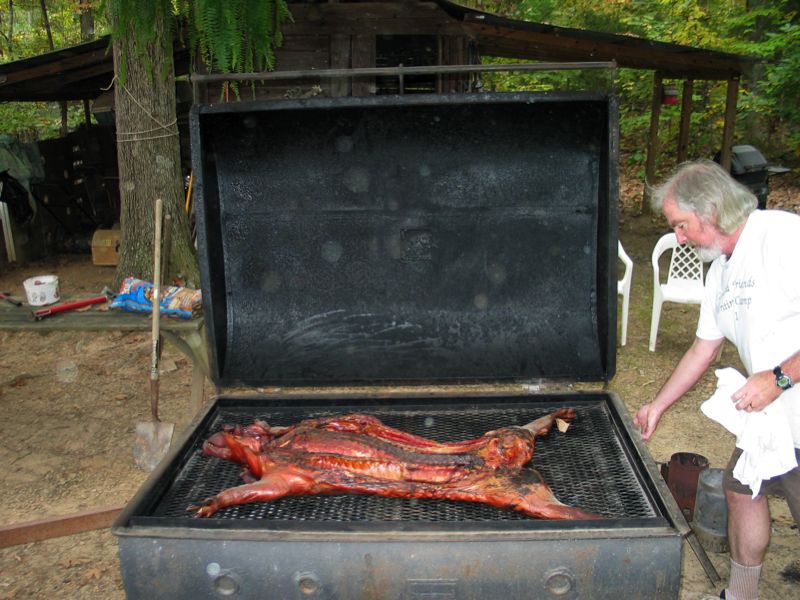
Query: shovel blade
x=151, y=443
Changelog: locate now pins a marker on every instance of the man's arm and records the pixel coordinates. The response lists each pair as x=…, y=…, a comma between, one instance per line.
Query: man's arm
x=760, y=390
x=688, y=371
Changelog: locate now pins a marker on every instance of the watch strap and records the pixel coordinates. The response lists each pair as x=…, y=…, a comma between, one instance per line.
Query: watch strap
x=782, y=380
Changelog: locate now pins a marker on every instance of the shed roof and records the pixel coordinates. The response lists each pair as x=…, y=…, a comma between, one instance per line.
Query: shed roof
x=509, y=38
x=82, y=72
x=74, y=73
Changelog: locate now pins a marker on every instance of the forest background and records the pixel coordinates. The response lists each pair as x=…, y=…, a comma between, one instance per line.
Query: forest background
x=769, y=110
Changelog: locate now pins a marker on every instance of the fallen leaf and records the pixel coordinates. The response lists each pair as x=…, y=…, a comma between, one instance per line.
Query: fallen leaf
x=68, y=563
x=21, y=380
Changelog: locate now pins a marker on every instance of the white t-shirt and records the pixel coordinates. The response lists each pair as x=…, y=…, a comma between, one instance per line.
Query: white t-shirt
x=753, y=299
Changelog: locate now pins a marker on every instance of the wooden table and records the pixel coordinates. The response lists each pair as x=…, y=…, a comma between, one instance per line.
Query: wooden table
x=188, y=335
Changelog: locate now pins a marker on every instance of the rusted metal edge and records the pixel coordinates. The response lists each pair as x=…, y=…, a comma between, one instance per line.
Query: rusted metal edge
x=52, y=527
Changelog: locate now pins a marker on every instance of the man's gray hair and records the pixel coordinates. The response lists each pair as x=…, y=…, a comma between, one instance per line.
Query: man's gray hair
x=706, y=189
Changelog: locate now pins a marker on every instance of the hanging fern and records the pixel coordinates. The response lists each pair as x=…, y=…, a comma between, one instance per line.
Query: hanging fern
x=230, y=36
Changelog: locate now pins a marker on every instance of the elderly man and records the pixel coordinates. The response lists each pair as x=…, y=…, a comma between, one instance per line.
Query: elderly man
x=753, y=299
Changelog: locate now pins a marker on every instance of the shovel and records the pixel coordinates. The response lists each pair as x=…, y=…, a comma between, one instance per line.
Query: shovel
x=153, y=438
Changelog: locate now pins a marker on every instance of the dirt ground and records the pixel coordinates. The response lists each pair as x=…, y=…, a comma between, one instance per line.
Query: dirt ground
x=70, y=402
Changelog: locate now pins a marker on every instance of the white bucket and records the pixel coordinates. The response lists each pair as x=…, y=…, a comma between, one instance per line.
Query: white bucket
x=41, y=290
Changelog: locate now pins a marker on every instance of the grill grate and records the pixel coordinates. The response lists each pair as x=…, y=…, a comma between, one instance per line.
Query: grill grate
x=586, y=467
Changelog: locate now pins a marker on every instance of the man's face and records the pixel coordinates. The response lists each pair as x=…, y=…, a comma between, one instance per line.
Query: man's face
x=694, y=230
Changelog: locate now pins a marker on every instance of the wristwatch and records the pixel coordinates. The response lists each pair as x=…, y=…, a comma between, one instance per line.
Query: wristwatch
x=782, y=380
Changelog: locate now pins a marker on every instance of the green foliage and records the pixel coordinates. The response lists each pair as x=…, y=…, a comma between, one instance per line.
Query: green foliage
x=230, y=36
x=29, y=38
x=772, y=31
x=39, y=119
x=42, y=120
x=242, y=35
x=781, y=86
x=769, y=113
x=545, y=81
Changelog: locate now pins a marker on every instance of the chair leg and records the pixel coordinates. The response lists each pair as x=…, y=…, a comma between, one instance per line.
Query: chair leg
x=625, y=302
x=657, y=302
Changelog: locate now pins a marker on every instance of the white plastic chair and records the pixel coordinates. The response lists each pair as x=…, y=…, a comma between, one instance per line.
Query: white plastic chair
x=624, y=289
x=684, y=279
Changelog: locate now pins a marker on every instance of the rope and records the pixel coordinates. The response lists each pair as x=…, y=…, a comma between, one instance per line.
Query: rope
x=139, y=136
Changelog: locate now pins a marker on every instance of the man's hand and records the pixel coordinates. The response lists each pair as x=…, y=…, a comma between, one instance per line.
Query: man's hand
x=758, y=392
x=647, y=419
x=689, y=369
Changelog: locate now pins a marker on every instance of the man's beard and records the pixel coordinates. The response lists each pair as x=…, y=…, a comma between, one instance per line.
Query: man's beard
x=708, y=253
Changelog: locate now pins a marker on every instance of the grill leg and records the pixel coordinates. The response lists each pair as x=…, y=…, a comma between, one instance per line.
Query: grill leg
x=701, y=555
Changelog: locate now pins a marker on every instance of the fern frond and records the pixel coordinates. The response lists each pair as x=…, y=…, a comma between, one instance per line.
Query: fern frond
x=230, y=36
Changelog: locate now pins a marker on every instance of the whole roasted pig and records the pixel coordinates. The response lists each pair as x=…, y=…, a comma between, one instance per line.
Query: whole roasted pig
x=359, y=454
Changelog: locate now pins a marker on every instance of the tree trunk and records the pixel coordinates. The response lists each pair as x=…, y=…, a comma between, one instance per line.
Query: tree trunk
x=148, y=152
x=755, y=129
x=10, y=29
x=64, y=114
x=87, y=20
x=47, y=24
x=652, y=141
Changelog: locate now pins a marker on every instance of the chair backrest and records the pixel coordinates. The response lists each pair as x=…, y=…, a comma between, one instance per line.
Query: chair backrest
x=624, y=283
x=685, y=264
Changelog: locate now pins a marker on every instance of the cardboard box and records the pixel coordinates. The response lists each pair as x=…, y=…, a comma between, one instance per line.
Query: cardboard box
x=105, y=247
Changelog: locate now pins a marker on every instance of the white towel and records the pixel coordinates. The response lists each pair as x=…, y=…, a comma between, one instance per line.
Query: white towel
x=764, y=436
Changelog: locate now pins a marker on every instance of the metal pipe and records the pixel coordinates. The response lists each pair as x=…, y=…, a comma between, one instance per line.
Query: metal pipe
x=399, y=71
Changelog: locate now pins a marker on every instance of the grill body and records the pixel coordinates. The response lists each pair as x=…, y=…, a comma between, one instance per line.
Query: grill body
x=354, y=546
x=433, y=241
x=492, y=567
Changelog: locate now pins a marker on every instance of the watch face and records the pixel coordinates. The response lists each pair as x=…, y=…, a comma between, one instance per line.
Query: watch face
x=784, y=381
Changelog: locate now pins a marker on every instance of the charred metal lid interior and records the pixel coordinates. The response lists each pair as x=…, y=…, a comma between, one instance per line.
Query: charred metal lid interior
x=409, y=238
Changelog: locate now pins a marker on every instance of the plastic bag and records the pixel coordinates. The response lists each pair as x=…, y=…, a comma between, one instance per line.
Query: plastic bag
x=136, y=295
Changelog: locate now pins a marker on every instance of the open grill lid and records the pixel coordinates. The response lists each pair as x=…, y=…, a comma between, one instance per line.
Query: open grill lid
x=427, y=238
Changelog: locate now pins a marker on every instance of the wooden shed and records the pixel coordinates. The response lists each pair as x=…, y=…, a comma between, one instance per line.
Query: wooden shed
x=375, y=41
x=372, y=40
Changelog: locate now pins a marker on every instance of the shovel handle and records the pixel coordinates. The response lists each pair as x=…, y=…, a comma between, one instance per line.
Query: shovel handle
x=159, y=209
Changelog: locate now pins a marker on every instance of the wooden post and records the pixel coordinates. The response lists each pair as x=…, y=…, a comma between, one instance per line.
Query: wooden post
x=652, y=141
x=440, y=60
x=64, y=124
x=340, y=59
x=87, y=113
x=686, y=120
x=730, y=123
x=363, y=55
x=452, y=51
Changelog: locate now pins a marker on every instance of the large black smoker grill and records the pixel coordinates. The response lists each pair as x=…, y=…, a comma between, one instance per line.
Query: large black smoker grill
x=442, y=239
